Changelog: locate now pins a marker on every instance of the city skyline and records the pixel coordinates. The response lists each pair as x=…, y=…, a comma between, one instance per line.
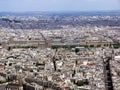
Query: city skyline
x=58, y=5
x=59, y=45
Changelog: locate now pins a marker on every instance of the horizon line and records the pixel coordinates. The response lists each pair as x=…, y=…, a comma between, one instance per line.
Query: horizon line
x=60, y=11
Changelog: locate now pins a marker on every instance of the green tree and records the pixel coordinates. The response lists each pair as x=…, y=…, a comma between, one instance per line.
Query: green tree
x=77, y=50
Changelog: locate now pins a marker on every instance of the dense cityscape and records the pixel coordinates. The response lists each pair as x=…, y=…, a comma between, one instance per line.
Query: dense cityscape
x=60, y=51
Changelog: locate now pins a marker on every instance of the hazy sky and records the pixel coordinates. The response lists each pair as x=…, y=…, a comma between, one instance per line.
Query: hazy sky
x=58, y=5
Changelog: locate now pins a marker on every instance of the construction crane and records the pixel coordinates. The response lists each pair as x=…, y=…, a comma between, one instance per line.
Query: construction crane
x=53, y=59
x=46, y=41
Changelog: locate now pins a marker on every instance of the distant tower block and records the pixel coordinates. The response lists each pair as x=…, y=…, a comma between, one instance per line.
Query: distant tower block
x=11, y=40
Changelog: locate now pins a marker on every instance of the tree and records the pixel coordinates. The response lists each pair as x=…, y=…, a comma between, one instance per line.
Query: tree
x=10, y=64
x=9, y=48
x=77, y=50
